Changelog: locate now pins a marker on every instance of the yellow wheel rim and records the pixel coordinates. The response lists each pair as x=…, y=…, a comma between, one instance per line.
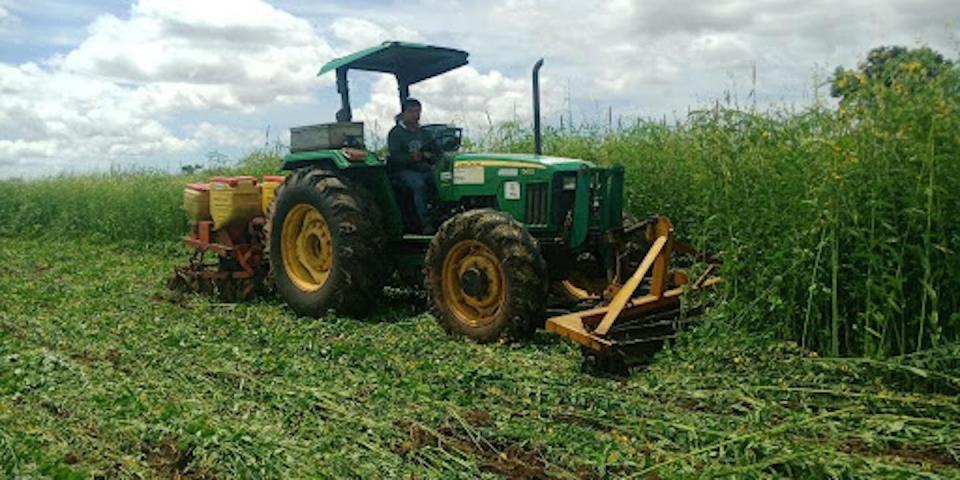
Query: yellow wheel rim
x=480, y=305
x=307, y=248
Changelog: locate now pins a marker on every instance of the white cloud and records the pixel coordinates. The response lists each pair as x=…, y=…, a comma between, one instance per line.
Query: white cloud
x=7, y=19
x=211, y=54
x=114, y=97
x=464, y=97
x=206, y=133
x=722, y=50
x=146, y=83
x=355, y=34
x=62, y=120
x=652, y=57
x=120, y=94
x=59, y=119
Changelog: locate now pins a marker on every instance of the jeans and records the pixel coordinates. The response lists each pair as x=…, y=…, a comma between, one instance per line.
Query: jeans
x=423, y=186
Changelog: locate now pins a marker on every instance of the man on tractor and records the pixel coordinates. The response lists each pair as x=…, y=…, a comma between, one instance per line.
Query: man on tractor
x=410, y=165
x=510, y=229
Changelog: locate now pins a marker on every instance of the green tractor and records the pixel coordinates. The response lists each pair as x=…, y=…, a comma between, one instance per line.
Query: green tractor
x=515, y=230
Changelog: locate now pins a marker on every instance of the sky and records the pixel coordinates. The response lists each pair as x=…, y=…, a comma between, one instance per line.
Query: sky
x=114, y=85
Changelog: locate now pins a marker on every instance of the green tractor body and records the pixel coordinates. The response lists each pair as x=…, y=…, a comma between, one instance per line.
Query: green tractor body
x=562, y=202
x=515, y=230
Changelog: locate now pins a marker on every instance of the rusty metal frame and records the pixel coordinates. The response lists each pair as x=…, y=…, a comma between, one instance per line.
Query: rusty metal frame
x=591, y=328
x=203, y=238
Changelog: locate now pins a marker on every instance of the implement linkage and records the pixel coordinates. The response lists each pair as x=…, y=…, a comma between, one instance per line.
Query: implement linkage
x=633, y=322
x=239, y=270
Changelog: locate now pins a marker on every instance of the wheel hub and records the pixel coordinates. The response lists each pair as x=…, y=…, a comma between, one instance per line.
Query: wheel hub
x=307, y=246
x=475, y=283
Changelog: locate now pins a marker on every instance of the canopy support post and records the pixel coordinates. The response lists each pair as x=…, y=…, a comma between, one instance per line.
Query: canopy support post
x=344, y=114
x=404, y=89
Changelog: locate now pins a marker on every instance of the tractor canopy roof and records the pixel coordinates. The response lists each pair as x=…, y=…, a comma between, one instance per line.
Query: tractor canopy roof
x=409, y=62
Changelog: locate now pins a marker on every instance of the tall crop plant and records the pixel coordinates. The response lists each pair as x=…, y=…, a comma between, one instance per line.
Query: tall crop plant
x=136, y=206
x=838, y=226
x=891, y=221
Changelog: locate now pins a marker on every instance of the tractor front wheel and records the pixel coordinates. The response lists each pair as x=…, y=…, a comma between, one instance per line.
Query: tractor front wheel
x=486, y=277
x=324, y=246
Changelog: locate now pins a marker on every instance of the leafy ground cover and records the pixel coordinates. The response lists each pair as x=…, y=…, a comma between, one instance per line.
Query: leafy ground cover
x=103, y=374
x=839, y=234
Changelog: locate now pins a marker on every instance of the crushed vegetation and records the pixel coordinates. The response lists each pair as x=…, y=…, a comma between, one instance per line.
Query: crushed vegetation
x=97, y=378
x=831, y=352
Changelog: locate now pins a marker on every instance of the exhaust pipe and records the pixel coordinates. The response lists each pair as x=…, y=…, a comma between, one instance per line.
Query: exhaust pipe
x=537, y=145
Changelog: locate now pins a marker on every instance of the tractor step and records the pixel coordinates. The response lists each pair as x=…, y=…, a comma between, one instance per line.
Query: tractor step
x=417, y=238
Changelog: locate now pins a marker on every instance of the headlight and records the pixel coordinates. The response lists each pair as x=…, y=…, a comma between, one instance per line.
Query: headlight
x=570, y=183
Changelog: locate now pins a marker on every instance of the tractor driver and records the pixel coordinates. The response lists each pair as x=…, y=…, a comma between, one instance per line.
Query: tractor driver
x=409, y=164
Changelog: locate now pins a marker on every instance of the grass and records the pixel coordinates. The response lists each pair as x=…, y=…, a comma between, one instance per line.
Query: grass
x=832, y=352
x=140, y=206
x=101, y=375
x=840, y=224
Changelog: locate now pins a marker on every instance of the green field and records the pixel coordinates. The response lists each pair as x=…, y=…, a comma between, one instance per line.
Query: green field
x=101, y=374
x=830, y=352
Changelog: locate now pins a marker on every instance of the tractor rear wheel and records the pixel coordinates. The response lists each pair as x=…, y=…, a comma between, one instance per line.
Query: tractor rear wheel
x=486, y=278
x=324, y=246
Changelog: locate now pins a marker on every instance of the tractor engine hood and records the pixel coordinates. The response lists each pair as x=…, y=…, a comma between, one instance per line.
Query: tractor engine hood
x=564, y=197
x=520, y=161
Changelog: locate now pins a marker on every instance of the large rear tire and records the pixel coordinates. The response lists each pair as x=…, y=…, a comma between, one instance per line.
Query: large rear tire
x=324, y=245
x=486, y=278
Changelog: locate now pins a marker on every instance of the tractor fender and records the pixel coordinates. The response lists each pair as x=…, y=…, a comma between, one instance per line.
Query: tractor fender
x=329, y=159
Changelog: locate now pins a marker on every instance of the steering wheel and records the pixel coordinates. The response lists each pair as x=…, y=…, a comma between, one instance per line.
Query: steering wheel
x=432, y=145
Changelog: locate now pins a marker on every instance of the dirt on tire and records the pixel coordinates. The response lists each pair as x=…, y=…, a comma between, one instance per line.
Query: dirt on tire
x=356, y=279
x=522, y=310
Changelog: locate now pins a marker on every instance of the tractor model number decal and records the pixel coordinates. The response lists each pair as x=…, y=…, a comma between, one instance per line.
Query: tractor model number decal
x=468, y=175
x=511, y=190
x=508, y=172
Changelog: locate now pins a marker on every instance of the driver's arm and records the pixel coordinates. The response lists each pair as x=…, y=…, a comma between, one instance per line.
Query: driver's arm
x=430, y=147
x=400, y=155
